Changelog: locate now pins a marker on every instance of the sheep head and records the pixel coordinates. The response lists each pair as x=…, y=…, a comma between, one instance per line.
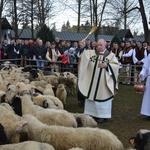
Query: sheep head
x=141, y=140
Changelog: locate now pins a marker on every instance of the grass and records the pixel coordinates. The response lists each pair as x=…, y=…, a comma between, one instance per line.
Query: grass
x=126, y=120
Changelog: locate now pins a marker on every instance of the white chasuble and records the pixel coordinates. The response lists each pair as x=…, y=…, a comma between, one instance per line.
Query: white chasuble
x=95, y=83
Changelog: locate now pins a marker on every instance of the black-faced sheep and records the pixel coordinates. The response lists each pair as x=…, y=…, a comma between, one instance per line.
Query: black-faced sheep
x=28, y=145
x=84, y=120
x=8, y=121
x=61, y=93
x=3, y=137
x=34, y=75
x=63, y=138
x=2, y=96
x=47, y=101
x=142, y=140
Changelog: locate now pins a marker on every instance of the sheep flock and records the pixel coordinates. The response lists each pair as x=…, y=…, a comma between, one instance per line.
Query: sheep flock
x=33, y=115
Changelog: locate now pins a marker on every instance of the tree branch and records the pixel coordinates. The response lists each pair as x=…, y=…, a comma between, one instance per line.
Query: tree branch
x=132, y=10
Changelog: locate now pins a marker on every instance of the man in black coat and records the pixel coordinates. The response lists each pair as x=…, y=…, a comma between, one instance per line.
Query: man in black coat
x=40, y=52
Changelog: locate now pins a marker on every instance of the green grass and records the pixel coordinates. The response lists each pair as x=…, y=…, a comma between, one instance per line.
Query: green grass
x=126, y=119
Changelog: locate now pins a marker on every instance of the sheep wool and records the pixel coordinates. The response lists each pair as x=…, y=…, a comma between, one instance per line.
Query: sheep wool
x=64, y=138
x=47, y=116
x=8, y=121
x=47, y=101
x=61, y=93
x=76, y=148
x=84, y=120
x=2, y=96
x=28, y=145
x=48, y=90
x=8, y=107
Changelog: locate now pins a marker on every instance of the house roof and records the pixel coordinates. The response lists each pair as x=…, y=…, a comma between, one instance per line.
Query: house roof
x=70, y=36
x=125, y=33
x=24, y=33
x=5, y=24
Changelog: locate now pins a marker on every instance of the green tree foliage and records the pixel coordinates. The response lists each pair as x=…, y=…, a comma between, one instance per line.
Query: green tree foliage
x=45, y=34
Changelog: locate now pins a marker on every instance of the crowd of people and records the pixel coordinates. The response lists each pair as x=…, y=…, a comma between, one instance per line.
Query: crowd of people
x=127, y=52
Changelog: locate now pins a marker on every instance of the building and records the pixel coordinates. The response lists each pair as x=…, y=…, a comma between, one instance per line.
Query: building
x=6, y=30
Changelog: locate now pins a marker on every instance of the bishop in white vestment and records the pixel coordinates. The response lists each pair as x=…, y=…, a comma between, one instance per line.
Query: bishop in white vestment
x=97, y=82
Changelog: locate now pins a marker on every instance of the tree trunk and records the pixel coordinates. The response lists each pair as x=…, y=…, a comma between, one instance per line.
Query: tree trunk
x=125, y=14
x=32, y=20
x=1, y=9
x=79, y=15
x=16, y=19
x=144, y=19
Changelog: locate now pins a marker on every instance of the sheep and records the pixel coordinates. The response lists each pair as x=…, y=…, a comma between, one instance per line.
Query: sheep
x=61, y=93
x=3, y=85
x=47, y=116
x=34, y=75
x=10, y=92
x=63, y=138
x=84, y=120
x=52, y=79
x=48, y=90
x=71, y=80
x=47, y=101
x=62, y=78
x=8, y=107
x=3, y=136
x=27, y=145
x=142, y=140
x=8, y=121
x=2, y=96
x=76, y=148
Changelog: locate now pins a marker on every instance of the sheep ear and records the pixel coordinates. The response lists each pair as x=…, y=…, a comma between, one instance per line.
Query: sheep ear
x=45, y=104
x=132, y=140
x=22, y=123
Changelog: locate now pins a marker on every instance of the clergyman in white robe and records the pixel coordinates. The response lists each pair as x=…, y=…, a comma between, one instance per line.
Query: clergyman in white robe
x=98, y=85
x=145, y=74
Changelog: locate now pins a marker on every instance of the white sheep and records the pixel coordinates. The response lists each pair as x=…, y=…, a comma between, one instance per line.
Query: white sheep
x=52, y=79
x=84, y=120
x=8, y=107
x=47, y=101
x=3, y=85
x=47, y=116
x=9, y=120
x=28, y=145
x=48, y=90
x=61, y=93
x=63, y=138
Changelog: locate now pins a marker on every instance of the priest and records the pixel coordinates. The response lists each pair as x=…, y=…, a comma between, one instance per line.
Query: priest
x=97, y=81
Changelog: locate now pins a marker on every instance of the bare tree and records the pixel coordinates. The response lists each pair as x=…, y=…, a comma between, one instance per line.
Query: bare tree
x=144, y=21
x=45, y=11
x=1, y=9
x=98, y=9
x=141, y=9
x=118, y=11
